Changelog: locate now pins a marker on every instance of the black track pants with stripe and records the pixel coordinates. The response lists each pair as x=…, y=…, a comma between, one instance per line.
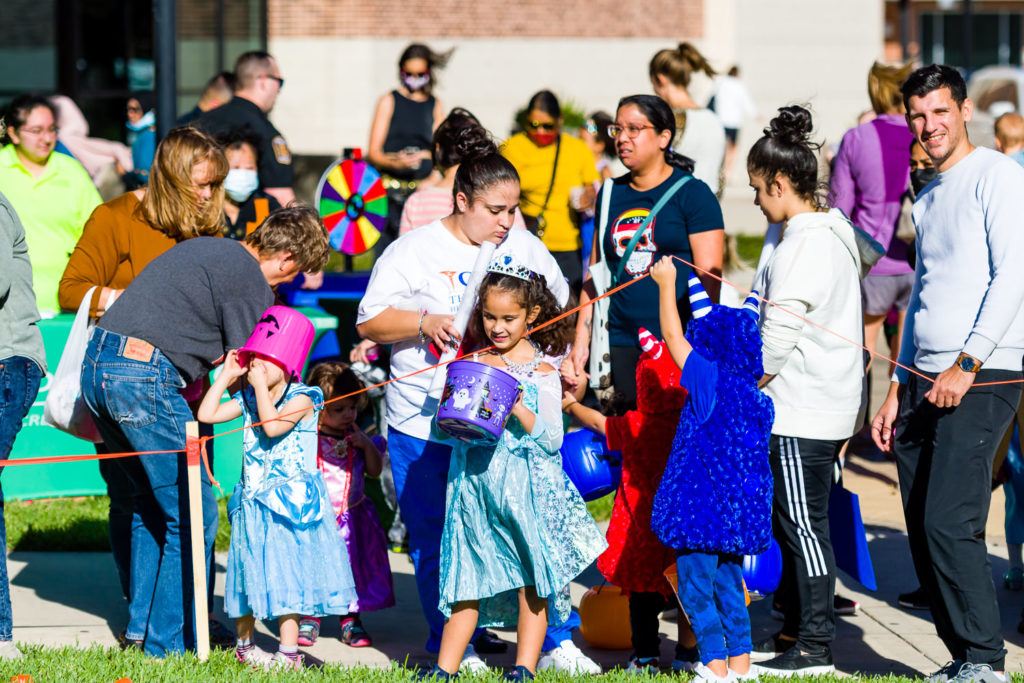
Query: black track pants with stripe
x=802, y=469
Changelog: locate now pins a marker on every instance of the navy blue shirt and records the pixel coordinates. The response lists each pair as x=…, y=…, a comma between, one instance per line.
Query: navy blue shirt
x=693, y=209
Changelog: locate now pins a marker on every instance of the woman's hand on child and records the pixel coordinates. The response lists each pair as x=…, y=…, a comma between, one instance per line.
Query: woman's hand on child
x=232, y=368
x=664, y=271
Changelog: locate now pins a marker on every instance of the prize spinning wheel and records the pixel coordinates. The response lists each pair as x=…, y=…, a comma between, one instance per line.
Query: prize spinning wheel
x=353, y=204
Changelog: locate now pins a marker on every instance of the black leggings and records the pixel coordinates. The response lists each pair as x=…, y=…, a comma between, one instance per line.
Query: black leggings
x=624, y=360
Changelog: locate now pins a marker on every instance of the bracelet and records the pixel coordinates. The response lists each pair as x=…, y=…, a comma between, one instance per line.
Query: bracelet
x=424, y=339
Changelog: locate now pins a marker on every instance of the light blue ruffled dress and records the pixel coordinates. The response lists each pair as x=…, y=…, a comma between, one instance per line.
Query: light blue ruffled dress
x=514, y=519
x=285, y=555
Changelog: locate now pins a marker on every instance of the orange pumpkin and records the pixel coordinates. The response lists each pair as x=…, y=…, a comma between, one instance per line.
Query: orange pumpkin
x=604, y=618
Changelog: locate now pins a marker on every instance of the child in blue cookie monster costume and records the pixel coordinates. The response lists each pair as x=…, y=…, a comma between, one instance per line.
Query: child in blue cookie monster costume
x=715, y=499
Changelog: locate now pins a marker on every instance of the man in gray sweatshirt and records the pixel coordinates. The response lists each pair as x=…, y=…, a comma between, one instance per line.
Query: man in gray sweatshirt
x=964, y=340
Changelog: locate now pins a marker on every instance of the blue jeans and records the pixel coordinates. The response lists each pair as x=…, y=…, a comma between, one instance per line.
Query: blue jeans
x=138, y=406
x=423, y=465
x=19, y=384
x=711, y=591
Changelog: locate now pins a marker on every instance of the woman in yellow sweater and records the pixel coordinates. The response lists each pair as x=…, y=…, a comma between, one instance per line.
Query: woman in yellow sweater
x=550, y=165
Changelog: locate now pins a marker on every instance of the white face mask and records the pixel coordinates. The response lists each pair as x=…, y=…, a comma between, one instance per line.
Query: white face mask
x=240, y=183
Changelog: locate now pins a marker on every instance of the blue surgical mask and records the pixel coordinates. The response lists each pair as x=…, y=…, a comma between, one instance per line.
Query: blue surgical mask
x=240, y=183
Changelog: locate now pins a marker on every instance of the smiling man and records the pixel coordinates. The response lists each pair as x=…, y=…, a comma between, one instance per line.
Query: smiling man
x=964, y=334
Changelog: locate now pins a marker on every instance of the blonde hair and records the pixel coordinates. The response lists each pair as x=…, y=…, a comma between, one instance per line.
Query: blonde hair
x=297, y=230
x=884, y=83
x=1010, y=130
x=679, y=64
x=169, y=204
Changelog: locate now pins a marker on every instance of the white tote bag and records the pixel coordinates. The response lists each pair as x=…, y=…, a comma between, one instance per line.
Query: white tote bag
x=601, y=275
x=64, y=408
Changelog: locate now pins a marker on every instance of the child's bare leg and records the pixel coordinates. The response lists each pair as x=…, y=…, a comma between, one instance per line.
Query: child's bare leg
x=289, y=626
x=245, y=627
x=458, y=631
x=740, y=663
x=533, y=624
x=684, y=632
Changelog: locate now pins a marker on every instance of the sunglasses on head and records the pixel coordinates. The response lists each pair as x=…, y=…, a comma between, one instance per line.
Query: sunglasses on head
x=537, y=125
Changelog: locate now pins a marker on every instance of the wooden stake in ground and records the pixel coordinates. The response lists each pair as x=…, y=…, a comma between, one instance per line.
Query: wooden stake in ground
x=195, y=515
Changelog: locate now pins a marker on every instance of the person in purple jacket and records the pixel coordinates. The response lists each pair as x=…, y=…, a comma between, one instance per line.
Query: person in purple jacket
x=870, y=174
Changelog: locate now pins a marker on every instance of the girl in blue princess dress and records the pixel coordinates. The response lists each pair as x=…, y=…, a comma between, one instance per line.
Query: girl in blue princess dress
x=516, y=530
x=285, y=558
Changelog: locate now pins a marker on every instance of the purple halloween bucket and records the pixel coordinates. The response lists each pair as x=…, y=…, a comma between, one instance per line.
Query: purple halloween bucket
x=477, y=401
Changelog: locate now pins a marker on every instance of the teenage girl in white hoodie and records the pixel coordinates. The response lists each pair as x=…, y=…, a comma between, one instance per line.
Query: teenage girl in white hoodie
x=814, y=378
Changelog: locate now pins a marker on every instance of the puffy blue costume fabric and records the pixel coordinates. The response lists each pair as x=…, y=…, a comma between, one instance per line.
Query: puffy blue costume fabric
x=716, y=493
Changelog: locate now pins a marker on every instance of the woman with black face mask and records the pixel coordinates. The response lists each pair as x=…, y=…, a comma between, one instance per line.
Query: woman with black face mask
x=402, y=131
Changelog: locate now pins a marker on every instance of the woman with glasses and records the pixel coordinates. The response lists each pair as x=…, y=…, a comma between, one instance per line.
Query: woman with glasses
x=688, y=225
x=551, y=165
x=402, y=130
x=52, y=194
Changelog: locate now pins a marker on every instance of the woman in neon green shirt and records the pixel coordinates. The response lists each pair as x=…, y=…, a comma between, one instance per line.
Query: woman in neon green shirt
x=52, y=193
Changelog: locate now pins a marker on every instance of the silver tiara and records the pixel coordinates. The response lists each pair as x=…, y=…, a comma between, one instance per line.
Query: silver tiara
x=507, y=265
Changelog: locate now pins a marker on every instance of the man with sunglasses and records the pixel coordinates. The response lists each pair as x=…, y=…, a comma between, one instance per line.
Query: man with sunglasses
x=257, y=84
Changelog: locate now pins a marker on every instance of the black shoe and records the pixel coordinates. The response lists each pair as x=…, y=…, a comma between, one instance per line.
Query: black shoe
x=770, y=647
x=520, y=674
x=844, y=607
x=488, y=643
x=220, y=635
x=915, y=599
x=435, y=673
x=799, y=662
x=126, y=643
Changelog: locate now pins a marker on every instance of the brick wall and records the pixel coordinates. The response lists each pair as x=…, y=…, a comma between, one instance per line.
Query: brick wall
x=198, y=18
x=484, y=18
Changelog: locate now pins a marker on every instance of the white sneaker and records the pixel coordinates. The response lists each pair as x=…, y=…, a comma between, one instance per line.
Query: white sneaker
x=702, y=674
x=471, y=662
x=567, y=657
x=750, y=676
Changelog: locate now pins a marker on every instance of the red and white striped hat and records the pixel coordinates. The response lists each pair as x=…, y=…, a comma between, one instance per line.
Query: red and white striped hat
x=649, y=343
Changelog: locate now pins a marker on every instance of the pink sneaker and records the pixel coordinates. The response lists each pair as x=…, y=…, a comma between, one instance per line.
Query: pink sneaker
x=309, y=630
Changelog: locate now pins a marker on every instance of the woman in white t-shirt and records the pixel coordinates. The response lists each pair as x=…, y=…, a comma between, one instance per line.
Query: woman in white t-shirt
x=411, y=300
x=699, y=132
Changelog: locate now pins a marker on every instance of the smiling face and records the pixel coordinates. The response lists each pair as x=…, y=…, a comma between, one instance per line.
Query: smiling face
x=940, y=125
x=505, y=320
x=488, y=218
x=340, y=415
x=36, y=138
x=639, y=145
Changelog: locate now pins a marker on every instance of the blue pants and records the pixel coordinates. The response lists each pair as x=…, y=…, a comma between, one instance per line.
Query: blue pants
x=711, y=592
x=138, y=406
x=19, y=384
x=420, y=471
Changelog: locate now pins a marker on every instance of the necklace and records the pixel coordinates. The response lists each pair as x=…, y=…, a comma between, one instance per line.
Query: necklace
x=526, y=368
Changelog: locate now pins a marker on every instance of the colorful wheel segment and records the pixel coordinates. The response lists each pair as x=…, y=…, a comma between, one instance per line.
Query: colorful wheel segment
x=353, y=204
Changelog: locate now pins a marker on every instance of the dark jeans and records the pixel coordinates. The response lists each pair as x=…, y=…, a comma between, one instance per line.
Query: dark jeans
x=624, y=360
x=19, y=384
x=802, y=473
x=944, y=459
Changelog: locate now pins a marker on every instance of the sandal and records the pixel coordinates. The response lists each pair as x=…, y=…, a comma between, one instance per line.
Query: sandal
x=309, y=629
x=354, y=635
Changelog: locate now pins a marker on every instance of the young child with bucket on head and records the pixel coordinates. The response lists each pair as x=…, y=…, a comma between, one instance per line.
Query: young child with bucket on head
x=714, y=502
x=285, y=558
x=346, y=456
x=516, y=530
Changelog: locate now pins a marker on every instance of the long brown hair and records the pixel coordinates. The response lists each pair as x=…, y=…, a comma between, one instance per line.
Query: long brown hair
x=169, y=204
x=552, y=340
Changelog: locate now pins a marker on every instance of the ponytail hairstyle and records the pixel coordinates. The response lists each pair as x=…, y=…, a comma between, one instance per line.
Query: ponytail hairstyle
x=884, y=83
x=552, y=340
x=657, y=111
x=678, y=65
x=478, y=174
x=460, y=136
x=786, y=149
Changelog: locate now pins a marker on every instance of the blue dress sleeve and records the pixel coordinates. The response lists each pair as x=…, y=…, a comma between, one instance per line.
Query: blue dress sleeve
x=700, y=379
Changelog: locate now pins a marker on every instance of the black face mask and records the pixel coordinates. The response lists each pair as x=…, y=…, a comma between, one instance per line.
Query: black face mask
x=921, y=177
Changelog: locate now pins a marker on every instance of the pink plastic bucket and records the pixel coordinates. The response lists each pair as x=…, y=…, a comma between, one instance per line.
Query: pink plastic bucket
x=283, y=335
x=477, y=401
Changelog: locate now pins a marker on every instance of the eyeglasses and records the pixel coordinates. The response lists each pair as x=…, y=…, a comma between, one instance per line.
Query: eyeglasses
x=537, y=125
x=39, y=131
x=280, y=81
x=631, y=131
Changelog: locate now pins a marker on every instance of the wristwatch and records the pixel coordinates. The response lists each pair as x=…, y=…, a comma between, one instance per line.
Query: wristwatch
x=968, y=363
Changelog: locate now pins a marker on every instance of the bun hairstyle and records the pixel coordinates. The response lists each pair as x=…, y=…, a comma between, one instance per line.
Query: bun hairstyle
x=460, y=136
x=480, y=173
x=786, y=149
x=552, y=340
x=678, y=65
x=661, y=117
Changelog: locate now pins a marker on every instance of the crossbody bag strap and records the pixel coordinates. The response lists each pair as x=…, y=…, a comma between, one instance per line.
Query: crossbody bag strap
x=554, y=171
x=643, y=226
x=606, y=205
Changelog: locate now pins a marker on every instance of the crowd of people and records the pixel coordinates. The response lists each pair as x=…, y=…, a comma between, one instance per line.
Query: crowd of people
x=731, y=419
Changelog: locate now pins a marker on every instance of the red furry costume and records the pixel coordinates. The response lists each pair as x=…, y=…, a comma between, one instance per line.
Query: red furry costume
x=635, y=558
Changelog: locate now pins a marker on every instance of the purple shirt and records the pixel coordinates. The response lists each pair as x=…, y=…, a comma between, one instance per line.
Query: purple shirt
x=871, y=173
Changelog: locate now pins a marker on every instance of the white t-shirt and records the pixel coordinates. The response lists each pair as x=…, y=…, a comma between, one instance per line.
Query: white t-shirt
x=704, y=142
x=427, y=270
x=733, y=103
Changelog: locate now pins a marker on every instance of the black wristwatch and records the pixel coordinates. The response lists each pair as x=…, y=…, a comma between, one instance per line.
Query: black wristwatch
x=968, y=363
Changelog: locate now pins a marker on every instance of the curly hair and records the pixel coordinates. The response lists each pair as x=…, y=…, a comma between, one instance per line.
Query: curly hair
x=335, y=378
x=552, y=340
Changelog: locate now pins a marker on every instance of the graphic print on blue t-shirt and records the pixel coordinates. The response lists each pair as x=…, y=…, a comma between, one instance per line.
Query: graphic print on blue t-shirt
x=623, y=229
